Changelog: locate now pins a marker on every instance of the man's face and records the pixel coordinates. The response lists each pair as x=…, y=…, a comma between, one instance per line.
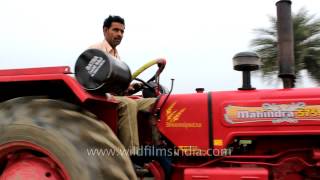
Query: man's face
x=114, y=34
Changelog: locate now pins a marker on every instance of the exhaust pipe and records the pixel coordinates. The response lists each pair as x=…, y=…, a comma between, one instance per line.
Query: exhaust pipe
x=285, y=43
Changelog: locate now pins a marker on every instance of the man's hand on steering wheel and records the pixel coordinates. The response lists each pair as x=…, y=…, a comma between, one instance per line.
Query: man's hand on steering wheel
x=136, y=87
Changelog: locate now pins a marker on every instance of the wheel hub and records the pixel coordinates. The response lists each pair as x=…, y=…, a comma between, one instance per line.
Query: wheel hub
x=29, y=167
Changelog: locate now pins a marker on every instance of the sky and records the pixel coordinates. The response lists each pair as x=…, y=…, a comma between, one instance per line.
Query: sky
x=197, y=38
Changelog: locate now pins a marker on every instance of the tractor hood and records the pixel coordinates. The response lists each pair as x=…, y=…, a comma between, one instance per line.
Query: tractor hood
x=214, y=119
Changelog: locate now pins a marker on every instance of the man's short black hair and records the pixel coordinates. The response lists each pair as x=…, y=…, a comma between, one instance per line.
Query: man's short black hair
x=108, y=21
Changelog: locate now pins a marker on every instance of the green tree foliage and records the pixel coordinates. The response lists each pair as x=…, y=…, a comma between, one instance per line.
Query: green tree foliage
x=306, y=32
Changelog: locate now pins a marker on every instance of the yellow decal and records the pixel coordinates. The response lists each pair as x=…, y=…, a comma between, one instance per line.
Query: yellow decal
x=217, y=142
x=173, y=116
x=192, y=150
x=275, y=113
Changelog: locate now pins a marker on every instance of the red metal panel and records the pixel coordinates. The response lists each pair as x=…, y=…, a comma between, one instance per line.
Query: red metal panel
x=184, y=121
x=30, y=71
x=47, y=74
x=226, y=173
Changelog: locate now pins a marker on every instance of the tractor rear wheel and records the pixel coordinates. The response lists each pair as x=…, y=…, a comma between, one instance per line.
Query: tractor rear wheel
x=51, y=139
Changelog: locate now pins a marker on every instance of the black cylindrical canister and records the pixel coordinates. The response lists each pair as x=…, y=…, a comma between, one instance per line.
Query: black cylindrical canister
x=100, y=73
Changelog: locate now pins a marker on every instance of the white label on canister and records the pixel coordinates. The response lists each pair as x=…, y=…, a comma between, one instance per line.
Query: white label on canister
x=94, y=65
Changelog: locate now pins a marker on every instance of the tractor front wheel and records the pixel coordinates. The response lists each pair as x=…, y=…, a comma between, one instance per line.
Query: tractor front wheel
x=51, y=139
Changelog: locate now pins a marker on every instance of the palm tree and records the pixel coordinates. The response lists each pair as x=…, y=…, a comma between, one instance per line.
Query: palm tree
x=306, y=33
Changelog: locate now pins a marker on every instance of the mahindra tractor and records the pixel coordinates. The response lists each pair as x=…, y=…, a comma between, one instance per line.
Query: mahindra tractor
x=56, y=124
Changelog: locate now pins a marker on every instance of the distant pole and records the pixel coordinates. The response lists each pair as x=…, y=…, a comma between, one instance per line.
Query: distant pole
x=285, y=43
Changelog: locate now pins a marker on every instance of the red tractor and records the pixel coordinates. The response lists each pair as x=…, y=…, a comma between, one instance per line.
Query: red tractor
x=54, y=126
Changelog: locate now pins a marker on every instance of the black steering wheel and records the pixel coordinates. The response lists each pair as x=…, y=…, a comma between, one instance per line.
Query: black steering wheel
x=151, y=88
